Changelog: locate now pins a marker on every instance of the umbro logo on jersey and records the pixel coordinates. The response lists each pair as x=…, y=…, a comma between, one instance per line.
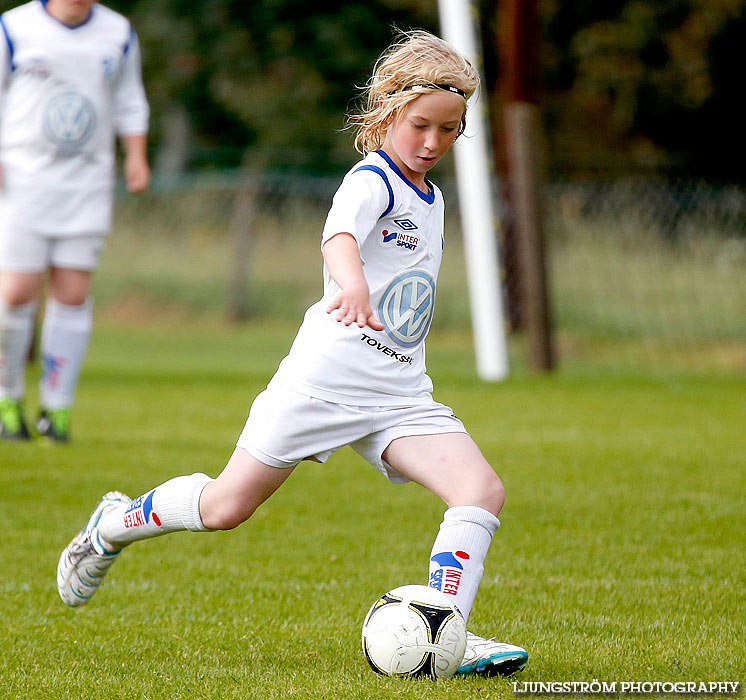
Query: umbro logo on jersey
x=405, y=224
x=403, y=240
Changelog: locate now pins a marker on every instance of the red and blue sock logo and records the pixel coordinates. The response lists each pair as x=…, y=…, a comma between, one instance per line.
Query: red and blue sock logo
x=140, y=512
x=447, y=576
x=51, y=368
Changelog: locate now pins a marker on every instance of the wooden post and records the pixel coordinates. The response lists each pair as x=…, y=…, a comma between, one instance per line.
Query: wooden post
x=244, y=210
x=524, y=148
x=519, y=68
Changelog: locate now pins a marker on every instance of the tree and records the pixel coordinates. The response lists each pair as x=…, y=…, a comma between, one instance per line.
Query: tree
x=626, y=83
x=649, y=82
x=274, y=76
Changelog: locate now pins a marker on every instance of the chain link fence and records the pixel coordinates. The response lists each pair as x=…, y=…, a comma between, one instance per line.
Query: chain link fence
x=643, y=273
x=653, y=271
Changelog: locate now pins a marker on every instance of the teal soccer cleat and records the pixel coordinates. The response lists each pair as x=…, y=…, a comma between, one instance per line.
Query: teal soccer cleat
x=485, y=657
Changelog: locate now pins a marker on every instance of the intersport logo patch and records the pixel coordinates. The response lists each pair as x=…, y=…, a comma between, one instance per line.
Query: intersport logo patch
x=140, y=512
x=446, y=570
x=403, y=240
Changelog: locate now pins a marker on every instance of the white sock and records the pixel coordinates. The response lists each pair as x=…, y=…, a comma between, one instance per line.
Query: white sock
x=171, y=507
x=64, y=341
x=459, y=550
x=16, y=332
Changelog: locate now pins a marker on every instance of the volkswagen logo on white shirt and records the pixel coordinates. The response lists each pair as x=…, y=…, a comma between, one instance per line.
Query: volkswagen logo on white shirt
x=406, y=307
x=69, y=120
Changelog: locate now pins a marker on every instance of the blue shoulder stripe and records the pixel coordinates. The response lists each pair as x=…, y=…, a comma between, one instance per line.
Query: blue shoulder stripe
x=376, y=169
x=9, y=41
x=128, y=43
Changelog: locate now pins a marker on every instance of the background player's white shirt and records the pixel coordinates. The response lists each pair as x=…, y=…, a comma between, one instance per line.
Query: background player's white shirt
x=399, y=230
x=64, y=93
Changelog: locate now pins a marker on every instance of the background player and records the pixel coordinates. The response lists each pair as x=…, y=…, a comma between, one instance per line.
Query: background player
x=69, y=80
x=354, y=377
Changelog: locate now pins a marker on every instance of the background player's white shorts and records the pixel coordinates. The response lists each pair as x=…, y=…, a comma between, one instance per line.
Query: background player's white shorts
x=27, y=251
x=285, y=427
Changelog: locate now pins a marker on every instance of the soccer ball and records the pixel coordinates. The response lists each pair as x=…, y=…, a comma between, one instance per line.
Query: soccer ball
x=414, y=631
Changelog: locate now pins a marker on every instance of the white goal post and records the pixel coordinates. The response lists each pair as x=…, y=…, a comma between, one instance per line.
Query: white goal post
x=478, y=219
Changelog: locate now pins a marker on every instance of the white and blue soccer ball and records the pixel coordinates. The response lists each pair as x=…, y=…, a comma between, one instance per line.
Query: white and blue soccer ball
x=414, y=631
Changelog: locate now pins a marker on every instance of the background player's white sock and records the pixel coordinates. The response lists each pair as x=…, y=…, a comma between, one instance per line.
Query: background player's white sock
x=171, y=507
x=64, y=341
x=16, y=332
x=459, y=550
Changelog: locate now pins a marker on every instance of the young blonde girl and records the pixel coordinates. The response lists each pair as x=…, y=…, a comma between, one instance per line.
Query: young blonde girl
x=355, y=374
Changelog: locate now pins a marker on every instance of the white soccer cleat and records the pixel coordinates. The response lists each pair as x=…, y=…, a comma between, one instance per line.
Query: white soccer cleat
x=85, y=561
x=486, y=657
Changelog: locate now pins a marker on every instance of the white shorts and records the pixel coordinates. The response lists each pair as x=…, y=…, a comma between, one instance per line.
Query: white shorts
x=27, y=251
x=285, y=427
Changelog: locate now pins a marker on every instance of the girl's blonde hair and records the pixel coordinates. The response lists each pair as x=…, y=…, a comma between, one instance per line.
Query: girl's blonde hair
x=417, y=63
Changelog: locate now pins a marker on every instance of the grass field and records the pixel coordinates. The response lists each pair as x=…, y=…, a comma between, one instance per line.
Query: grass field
x=621, y=556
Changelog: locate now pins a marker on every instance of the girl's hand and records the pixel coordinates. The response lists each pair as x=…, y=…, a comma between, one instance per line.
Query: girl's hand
x=136, y=174
x=352, y=305
x=136, y=169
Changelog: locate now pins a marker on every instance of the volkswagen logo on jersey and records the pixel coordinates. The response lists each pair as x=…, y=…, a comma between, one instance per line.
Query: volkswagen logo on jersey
x=406, y=307
x=447, y=576
x=140, y=512
x=69, y=121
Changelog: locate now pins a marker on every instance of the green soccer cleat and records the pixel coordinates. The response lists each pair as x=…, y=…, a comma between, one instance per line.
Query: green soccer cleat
x=85, y=561
x=12, y=425
x=485, y=657
x=54, y=423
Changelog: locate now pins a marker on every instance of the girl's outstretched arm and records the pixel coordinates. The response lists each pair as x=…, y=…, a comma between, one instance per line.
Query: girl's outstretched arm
x=352, y=304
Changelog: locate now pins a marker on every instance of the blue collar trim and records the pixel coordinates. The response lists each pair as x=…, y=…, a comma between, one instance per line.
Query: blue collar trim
x=65, y=24
x=429, y=197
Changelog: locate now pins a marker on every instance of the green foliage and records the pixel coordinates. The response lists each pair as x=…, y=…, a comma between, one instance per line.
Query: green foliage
x=277, y=77
x=620, y=557
x=645, y=83
x=626, y=84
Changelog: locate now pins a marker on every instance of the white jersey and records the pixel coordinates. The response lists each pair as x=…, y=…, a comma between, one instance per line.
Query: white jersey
x=399, y=230
x=64, y=93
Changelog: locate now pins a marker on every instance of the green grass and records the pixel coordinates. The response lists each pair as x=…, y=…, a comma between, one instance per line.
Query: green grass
x=621, y=556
